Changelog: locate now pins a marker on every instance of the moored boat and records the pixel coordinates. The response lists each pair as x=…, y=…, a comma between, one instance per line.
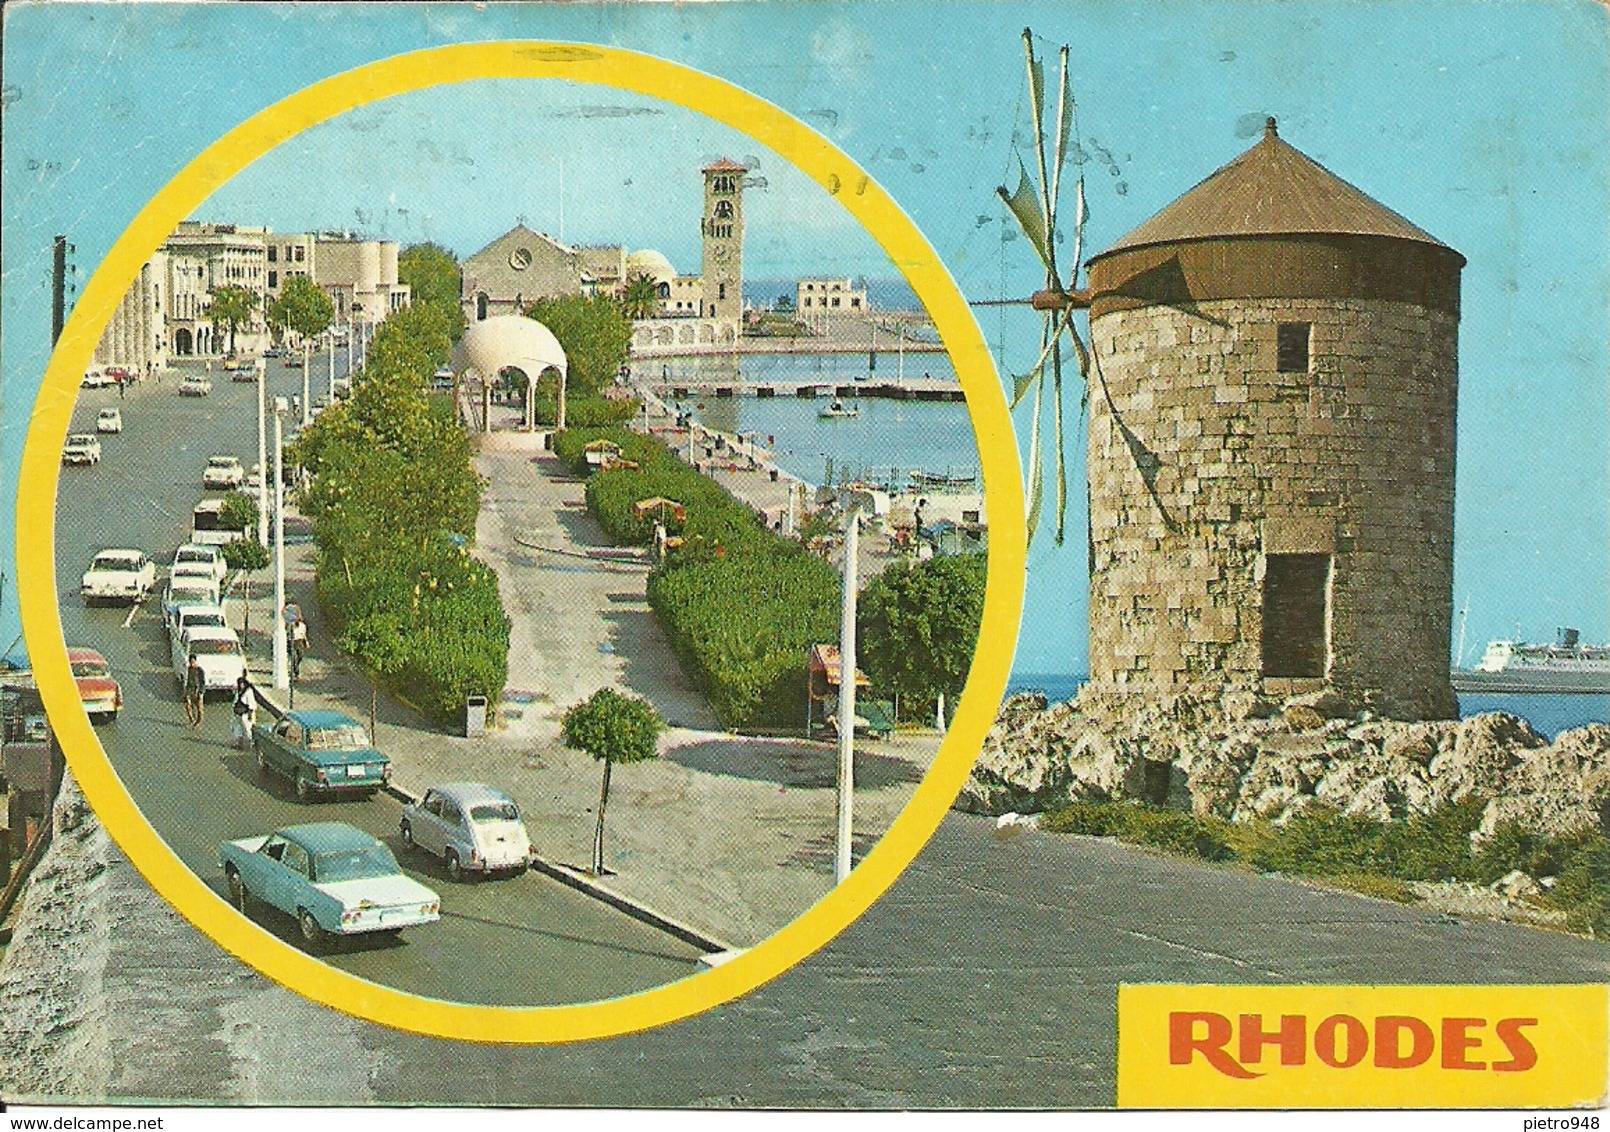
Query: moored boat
x=1515, y=666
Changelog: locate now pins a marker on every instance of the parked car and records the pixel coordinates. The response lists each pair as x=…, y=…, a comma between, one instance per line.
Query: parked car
x=334, y=879
x=195, y=387
x=109, y=420
x=442, y=379
x=342, y=387
x=216, y=650
x=81, y=449
x=245, y=373
x=209, y=558
x=120, y=375
x=189, y=617
x=187, y=592
x=96, y=379
x=471, y=827
x=234, y=363
x=293, y=361
x=223, y=472
x=321, y=752
x=101, y=694
x=118, y=575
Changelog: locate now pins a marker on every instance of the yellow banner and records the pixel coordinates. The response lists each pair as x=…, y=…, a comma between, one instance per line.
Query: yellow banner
x=1362, y=1047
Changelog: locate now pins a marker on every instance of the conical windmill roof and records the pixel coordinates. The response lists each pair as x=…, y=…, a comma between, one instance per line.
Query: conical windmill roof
x=1272, y=190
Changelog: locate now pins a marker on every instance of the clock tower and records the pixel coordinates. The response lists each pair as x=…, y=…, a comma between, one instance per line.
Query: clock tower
x=722, y=227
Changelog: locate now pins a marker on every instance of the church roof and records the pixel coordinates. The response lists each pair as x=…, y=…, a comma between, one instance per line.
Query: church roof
x=1272, y=190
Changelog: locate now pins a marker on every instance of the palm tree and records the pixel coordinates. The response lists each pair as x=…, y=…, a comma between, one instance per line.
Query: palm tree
x=641, y=297
x=232, y=307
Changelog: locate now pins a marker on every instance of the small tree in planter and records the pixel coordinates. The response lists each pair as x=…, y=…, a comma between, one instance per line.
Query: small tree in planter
x=613, y=728
x=248, y=556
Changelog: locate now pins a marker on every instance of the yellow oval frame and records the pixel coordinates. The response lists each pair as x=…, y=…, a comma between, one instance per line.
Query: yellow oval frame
x=641, y=74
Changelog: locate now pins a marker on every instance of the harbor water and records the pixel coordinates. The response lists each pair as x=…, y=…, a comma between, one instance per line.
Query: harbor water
x=1548, y=714
x=883, y=436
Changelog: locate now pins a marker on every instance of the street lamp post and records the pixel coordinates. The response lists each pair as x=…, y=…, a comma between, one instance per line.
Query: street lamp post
x=351, y=330
x=329, y=342
x=262, y=452
x=282, y=672
x=307, y=390
x=846, y=776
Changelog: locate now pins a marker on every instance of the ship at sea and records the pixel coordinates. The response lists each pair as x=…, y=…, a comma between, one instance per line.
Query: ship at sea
x=1515, y=666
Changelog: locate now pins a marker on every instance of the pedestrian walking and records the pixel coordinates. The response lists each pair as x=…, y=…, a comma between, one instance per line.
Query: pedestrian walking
x=244, y=710
x=122, y=387
x=298, y=647
x=195, y=690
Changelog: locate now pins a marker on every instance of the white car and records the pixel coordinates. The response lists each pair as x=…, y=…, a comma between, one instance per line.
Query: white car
x=187, y=619
x=471, y=827
x=195, y=387
x=83, y=449
x=218, y=653
x=109, y=420
x=118, y=575
x=223, y=472
x=183, y=592
x=193, y=557
x=96, y=379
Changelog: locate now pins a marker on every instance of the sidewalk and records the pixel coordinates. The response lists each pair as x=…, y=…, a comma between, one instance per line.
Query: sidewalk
x=732, y=836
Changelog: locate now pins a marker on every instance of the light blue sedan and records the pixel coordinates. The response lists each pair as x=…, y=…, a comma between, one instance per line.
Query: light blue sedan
x=333, y=878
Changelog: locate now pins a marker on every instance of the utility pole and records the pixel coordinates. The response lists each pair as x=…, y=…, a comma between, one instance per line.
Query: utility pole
x=330, y=344
x=58, y=288
x=262, y=451
x=282, y=671
x=846, y=728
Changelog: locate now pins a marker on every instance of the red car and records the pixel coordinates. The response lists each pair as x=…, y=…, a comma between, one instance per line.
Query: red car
x=102, y=695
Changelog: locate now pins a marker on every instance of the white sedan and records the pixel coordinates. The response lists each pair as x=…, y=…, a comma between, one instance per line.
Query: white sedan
x=81, y=448
x=195, y=387
x=109, y=420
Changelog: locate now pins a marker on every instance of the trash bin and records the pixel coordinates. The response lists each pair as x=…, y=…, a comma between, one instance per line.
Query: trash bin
x=474, y=717
x=774, y=475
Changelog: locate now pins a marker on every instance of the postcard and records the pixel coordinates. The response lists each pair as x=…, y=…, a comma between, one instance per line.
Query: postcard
x=848, y=556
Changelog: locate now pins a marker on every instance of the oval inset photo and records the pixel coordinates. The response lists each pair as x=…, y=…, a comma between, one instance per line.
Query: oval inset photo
x=523, y=520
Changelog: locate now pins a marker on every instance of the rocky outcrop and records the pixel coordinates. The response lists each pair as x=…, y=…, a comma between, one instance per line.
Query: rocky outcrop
x=1244, y=758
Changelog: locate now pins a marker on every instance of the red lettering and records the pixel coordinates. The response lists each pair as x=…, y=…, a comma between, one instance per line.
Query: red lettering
x=1358, y=1041
x=1389, y=1031
x=1456, y=1042
x=1183, y=1043
x=1522, y=1053
x=1292, y=1038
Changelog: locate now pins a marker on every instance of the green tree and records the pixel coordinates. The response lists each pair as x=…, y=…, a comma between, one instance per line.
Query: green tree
x=433, y=275
x=918, y=623
x=304, y=308
x=231, y=309
x=595, y=334
x=248, y=556
x=239, y=512
x=641, y=297
x=613, y=728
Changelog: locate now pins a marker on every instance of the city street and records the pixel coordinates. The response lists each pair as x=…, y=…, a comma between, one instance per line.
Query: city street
x=517, y=941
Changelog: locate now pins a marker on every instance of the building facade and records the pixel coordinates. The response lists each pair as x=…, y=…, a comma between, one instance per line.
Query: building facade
x=816, y=295
x=136, y=338
x=360, y=276
x=518, y=268
x=1271, y=444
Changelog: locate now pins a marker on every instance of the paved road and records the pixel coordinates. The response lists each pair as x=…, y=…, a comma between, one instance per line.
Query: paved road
x=986, y=977
x=521, y=941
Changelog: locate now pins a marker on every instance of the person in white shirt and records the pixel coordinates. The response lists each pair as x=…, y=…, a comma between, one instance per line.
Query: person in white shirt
x=245, y=714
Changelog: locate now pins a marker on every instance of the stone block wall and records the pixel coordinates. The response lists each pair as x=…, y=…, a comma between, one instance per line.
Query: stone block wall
x=1204, y=458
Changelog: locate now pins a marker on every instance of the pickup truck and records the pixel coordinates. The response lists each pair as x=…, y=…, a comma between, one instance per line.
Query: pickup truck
x=118, y=575
x=334, y=879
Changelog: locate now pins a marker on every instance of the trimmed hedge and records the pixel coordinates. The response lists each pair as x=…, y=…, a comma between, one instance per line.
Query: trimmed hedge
x=741, y=606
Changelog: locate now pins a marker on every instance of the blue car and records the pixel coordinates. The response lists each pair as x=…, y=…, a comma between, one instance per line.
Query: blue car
x=333, y=878
x=321, y=752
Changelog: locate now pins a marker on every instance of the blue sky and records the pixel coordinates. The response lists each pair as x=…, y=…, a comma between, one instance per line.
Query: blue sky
x=1485, y=124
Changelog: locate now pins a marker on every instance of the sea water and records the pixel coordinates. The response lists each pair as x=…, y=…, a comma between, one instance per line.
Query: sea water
x=1549, y=714
x=886, y=436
